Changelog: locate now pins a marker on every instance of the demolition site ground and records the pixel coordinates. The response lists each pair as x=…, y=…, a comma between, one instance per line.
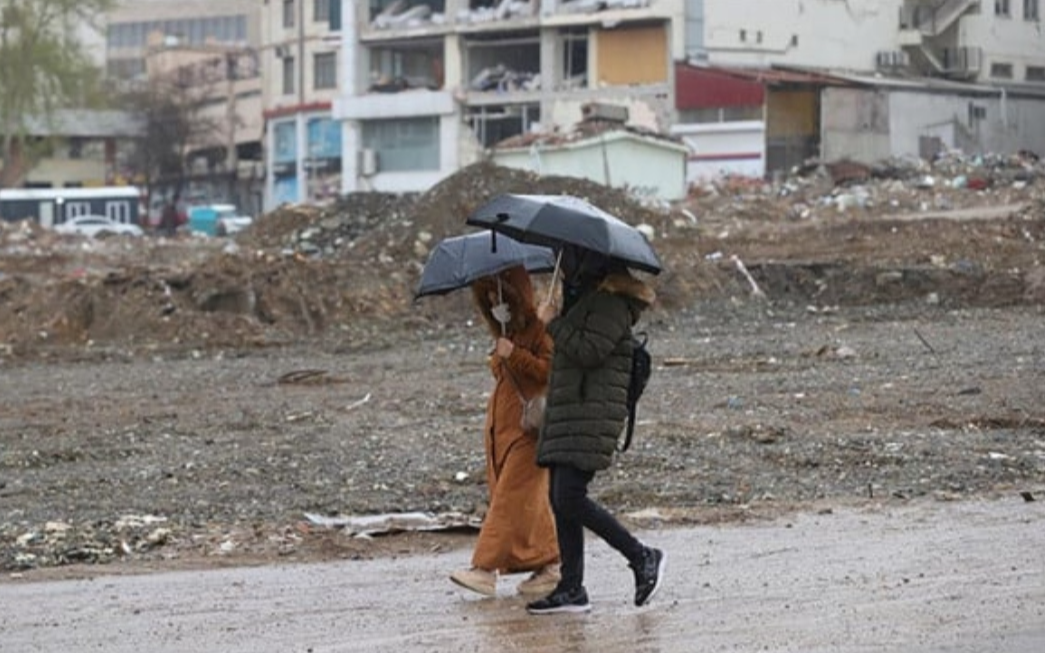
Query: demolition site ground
x=184, y=402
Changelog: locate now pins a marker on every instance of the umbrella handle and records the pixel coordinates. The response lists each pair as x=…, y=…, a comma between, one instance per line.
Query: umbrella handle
x=500, y=300
x=555, y=278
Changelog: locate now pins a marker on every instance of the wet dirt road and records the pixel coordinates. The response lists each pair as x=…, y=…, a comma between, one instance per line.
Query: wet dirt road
x=926, y=577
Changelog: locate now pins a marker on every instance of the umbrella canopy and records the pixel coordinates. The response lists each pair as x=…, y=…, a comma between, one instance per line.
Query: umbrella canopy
x=555, y=220
x=458, y=261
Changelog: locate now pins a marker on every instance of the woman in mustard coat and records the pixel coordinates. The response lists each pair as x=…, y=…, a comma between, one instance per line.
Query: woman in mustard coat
x=518, y=532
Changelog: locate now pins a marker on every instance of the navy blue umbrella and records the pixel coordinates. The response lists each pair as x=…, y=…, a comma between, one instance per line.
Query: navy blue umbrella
x=459, y=260
x=557, y=220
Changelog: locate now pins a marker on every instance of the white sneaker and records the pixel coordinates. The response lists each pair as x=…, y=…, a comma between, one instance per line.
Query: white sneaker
x=541, y=582
x=478, y=580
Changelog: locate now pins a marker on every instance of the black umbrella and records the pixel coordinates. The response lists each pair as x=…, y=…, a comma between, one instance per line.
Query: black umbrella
x=458, y=261
x=555, y=220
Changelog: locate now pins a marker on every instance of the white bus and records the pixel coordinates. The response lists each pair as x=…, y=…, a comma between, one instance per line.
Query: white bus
x=53, y=206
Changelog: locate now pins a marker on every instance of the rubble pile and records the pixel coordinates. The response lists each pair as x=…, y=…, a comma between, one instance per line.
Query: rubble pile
x=399, y=230
x=348, y=270
x=823, y=190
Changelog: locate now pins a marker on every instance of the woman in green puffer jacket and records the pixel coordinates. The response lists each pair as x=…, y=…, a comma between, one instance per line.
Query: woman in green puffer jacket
x=585, y=413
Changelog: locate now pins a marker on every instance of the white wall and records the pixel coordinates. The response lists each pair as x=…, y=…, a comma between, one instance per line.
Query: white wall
x=831, y=33
x=1009, y=125
x=1006, y=40
x=649, y=169
x=873, y=124
x=724, y=148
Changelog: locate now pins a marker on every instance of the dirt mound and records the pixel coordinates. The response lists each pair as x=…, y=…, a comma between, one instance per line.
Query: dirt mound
x=348, y=271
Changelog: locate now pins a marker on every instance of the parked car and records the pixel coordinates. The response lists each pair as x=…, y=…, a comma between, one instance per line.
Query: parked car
x=230, y=224
x=97, y=225
x=217, y=219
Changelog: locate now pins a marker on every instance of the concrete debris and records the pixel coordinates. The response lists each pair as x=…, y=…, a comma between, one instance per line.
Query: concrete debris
x=501, y=79
x=385, y=524
x=900, y=185
x=497, y=11
x=591, y=6
x=347, y=270
x=402, y=15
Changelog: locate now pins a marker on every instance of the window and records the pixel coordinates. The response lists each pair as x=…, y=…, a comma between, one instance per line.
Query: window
x=76, y=148
x=288, y=14
x=285, y=136
x=1031, y=10
x=1001, y=8
x=1035, y=74
x=1001, y=70
x=321, y=10
x=288, y=75
x=721, y=114
x=403, y=145
x=324, y=73
x=324, y=138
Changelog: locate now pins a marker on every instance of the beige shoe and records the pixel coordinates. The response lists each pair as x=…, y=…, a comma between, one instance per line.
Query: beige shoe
x=478, y=580
x=541, y=582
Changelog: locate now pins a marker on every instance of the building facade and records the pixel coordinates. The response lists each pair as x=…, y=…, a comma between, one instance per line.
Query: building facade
x=81, y=148
x=132, y=27
x=428, y=86
x=301, y=76
x=214, y=48
x=983, y=41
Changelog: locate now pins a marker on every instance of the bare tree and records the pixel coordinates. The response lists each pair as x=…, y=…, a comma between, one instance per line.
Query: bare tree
x=43, y=67
x=171, y=111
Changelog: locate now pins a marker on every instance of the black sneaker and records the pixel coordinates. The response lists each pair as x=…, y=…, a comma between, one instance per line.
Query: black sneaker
x=648, y=575
x=561, y=601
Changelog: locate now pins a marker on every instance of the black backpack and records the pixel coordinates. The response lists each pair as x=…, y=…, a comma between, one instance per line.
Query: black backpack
x=641, y=369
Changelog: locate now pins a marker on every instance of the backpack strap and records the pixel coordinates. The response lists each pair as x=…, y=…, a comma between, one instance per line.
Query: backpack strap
x=636, y=341
x=622, y=447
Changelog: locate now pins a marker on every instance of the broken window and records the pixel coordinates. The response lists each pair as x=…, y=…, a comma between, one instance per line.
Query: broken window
x=494, y=124
x=505, y=62
x=404, y=14
x=484, y=11
x=574, y=58
x=409, y=64
x=633, y=55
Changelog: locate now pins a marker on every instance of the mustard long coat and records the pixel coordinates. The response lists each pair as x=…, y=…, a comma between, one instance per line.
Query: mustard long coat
x=518, y=532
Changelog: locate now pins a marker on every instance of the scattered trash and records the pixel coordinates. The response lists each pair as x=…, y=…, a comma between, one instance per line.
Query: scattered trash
x=369, y=525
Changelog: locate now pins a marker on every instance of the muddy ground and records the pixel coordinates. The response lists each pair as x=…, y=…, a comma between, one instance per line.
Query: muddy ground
x=182, y=402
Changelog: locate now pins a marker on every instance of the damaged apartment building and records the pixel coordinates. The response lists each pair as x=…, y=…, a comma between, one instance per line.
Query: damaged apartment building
x=431, y=85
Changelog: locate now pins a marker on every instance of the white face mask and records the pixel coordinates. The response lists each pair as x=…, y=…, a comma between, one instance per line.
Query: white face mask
x=501, y=313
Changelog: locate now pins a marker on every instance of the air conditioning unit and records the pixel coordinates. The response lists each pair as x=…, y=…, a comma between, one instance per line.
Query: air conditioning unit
x=892, y=59
x=368, y=162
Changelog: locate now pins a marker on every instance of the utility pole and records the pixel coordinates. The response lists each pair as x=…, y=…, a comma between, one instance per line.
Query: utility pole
x=231, y=155
x=301, y=125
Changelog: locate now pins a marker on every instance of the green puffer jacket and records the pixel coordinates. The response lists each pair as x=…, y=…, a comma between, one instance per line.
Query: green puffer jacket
x=591, y=367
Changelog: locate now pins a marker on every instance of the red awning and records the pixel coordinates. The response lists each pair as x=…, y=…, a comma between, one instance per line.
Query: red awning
x=706, y=87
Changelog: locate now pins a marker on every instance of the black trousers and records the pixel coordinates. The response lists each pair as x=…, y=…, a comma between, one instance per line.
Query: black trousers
x=575, y=511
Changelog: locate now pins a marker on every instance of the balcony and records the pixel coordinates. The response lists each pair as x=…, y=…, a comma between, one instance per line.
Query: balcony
x=405, y=104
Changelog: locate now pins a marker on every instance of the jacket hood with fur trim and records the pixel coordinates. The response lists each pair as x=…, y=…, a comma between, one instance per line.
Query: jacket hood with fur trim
x=623, y=283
